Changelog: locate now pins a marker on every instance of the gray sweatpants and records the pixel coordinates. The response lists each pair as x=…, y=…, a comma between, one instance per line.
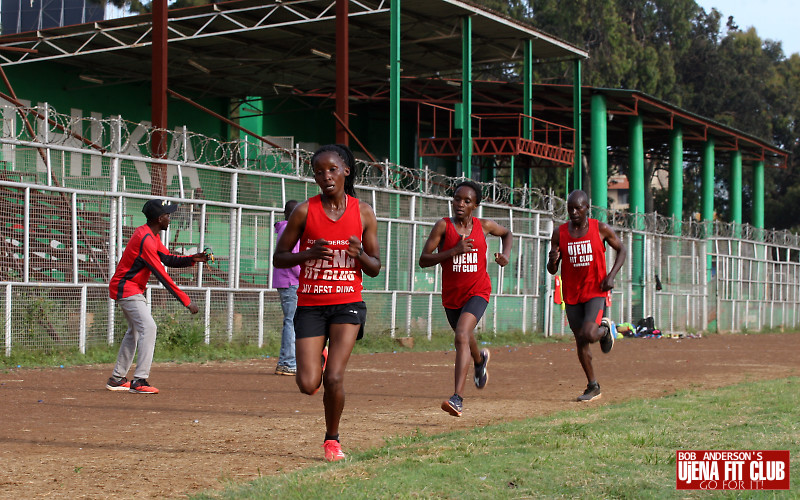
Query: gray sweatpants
x=141, y=335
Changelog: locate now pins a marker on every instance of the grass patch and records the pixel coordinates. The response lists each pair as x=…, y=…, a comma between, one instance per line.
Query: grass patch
x=618, y=451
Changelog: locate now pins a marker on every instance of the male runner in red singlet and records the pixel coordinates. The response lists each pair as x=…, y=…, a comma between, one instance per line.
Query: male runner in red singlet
x=580, y=244
x=466, y=287
x=338, y=238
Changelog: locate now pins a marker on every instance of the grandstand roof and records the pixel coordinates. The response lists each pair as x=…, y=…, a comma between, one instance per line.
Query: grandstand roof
x=554, y=103
x=252, y=47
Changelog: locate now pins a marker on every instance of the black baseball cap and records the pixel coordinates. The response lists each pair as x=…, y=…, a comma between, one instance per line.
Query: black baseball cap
x=154, y=209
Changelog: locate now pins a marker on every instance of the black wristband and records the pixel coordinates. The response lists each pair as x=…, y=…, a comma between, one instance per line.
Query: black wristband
x=361, y=251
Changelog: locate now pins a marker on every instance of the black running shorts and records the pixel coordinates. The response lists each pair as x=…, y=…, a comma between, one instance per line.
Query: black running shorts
x=314, y=321
x=475, y=306
x=591, y=311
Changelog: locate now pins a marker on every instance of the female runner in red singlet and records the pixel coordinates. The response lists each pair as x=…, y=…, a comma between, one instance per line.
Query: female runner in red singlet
x=338, y=238
x=466, y=287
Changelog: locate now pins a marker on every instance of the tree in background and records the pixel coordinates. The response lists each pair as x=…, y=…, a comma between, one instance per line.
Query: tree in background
x=676, y=51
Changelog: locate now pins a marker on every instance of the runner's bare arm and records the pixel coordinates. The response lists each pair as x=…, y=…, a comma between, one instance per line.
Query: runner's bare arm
x=491, y=227
x=608, y=235
x=554, y=256
x=368, y=250
x=283, y=256
x=429, y=257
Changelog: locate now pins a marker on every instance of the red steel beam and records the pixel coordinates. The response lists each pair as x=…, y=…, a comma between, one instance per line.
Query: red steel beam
x=158, y=142
x=342, y=72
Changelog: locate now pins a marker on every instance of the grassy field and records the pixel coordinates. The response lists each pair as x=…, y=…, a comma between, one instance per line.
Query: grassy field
x=618, y=451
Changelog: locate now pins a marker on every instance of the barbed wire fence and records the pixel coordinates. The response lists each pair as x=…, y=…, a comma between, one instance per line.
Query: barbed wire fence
x=72, y=187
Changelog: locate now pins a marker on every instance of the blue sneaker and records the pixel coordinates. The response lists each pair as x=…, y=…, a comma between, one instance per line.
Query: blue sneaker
x=607, y=341
x=453, y=405
x=481, y=374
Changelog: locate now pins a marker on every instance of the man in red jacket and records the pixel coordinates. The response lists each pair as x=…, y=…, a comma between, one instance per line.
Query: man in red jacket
x=144, y=254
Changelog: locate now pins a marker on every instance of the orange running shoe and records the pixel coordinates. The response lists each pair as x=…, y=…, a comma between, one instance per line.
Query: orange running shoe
x=142, y=386
x=324, y=363
x=333, y=450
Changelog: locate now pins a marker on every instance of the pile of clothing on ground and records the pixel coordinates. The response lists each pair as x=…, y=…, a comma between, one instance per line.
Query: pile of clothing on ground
x=645, y=328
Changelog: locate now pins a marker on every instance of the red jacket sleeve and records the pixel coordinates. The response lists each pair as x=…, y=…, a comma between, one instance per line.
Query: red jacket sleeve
x=150, y=254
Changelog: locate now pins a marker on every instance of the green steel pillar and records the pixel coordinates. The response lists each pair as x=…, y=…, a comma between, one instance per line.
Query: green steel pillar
x=251, y=116
x=758, y=222
x=566, y=183
x=466, y=95
x=598, y=166
x=530, y=187
x=636, y=209
x=708, y=180
x=736, y=210
x=511, y=196
x=636, y=173
x=423, y=179
x=577, y=121
x=676, y=176
x=736, y=191
x=758, y=194
x=708, y=197
x=527, y=90
x=394, y=84
x=527, y=107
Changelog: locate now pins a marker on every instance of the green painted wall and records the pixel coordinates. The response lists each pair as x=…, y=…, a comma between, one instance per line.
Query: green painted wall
x=60, y=87
x=310, y=120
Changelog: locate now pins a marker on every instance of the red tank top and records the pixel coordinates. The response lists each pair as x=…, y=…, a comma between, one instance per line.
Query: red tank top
x=464, y=276
x=325, y=283
x=583, y=264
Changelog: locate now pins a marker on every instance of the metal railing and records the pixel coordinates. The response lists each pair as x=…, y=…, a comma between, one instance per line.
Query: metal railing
x=68, y=208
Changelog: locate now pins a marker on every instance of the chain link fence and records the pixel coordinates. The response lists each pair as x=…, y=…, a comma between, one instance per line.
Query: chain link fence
x=72, y=188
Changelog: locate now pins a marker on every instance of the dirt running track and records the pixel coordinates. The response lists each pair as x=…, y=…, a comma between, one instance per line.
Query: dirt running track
x=63, y=435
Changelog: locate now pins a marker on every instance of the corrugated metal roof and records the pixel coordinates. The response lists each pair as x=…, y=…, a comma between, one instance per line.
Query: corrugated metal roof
x=251, y=47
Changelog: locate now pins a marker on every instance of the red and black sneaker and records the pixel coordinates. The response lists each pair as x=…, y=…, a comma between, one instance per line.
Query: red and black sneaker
x=142, y=386
x=115, y=384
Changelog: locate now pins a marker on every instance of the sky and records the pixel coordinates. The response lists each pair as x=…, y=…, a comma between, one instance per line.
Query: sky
x=772, y=19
